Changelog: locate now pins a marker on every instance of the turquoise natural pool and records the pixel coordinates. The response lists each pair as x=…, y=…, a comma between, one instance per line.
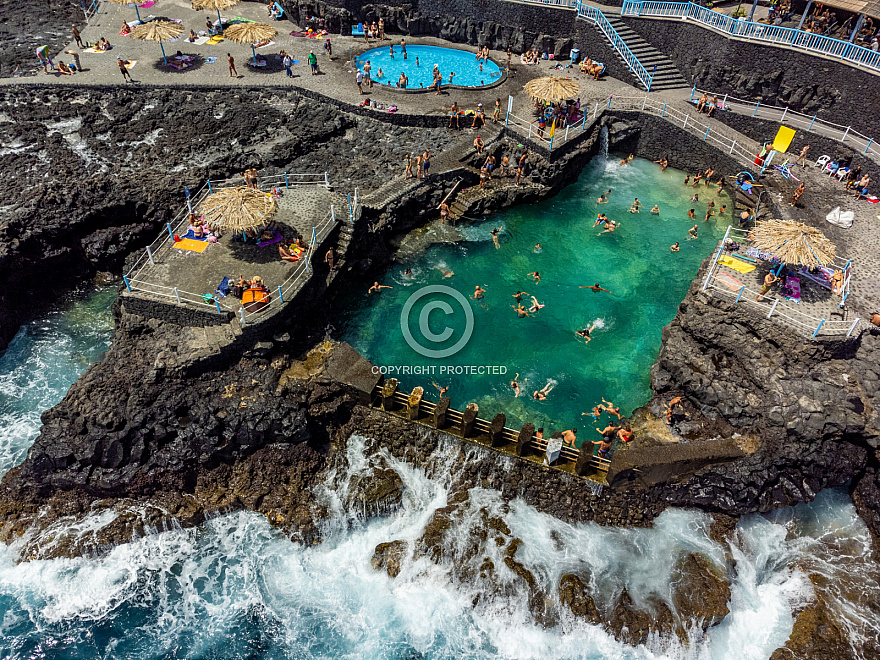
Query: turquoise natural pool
x=419, y=66
x=647, y=282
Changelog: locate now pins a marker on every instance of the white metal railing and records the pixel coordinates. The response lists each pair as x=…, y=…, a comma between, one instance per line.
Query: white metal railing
x=770, y=34
x=568, y=4
x=786, y=116
x=743, y=149
x=780, y=310
x=90, y=8
x=593, y=15
x=286, y=179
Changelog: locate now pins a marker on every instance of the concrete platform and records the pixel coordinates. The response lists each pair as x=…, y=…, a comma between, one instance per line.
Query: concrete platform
x=300, y=210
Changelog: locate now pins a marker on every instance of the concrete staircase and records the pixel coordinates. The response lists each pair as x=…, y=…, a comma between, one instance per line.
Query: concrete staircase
x=667, y=76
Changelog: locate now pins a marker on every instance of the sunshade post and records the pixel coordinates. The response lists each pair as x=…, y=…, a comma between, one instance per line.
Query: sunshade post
x=163, y=52
x=219, y=19
x=137, y=12
x=255, y=54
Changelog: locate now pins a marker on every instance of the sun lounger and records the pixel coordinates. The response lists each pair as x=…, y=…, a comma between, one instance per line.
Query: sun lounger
x=736, y=265
x=357, y=31
x=280, y=15
x=791, y=291
x=729, y=281
x=822, y=277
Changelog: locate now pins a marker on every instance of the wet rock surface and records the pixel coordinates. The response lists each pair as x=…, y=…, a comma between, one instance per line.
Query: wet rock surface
x=26, y=26
x=700, y=593
x=152, y=453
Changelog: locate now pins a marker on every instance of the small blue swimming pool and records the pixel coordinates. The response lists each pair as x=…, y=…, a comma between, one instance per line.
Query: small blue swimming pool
x=419, y=66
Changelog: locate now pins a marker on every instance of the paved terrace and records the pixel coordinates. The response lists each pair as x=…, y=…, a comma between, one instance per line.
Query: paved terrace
x=336, y=81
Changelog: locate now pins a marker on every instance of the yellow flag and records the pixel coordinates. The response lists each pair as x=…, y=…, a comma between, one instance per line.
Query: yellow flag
x=552, y=128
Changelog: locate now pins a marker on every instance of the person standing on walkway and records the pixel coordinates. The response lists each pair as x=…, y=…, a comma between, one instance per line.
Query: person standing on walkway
x=328, y=258
x=123, y=70
x=232, y=71
x=381, y=29
x=288, y=62
x=802, y=157
x=329, y=48
x=77, y=36
x=313, y=63
x=359, y=79
x=368, y=81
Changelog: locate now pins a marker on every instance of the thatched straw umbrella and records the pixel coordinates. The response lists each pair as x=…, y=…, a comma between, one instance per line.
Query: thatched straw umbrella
x=215, y=4
x=238, y=208
x=552, y=89
x=128, y=2
x=157, y=31
x=250, y=33
x=793, y=242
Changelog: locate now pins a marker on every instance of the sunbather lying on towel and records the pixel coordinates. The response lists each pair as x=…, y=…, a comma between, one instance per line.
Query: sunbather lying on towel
x=287, y=255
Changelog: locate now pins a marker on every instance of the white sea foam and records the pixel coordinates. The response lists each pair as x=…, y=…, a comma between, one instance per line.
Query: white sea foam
x=235, y=582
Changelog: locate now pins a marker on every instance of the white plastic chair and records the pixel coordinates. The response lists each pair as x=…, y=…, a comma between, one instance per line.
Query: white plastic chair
x=841, y=173
x=823, y=161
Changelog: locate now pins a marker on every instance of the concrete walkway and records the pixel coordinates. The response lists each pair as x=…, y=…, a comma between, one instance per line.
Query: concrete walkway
x=337, y=82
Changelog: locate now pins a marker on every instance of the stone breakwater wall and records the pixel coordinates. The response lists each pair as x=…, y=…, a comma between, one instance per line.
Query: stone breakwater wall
x=775, y=76
x=654, y=138
x=499, y=25
x=554, y=492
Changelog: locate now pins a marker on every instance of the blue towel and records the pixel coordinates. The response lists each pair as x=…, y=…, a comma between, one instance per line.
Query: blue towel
x=191, y=234
x=223, y=289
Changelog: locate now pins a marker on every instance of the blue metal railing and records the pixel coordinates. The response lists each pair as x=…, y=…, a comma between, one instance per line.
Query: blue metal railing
x=770, y=34
x=593, y=15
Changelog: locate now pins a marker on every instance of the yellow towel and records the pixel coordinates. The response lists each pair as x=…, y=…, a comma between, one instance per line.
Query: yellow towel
x=736, y=264
x=192, y=245
x=215, y=39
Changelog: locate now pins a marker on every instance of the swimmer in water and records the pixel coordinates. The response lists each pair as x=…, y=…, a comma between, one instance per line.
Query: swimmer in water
x=443, y=390
x=610, y=226
x=595, y=288
x=610, y=408
x=691, y=214
x=494, y=233
x=514, y=384
x=535, y=305
x=585, y=333
x=695, y=198
x=378, y=287
x=636, y=205
x=602, y=199
x=692, y=232
x=687, y=179
x=675, y=247
x=600, y=219
x=408, y=274
x=537, y=276
x=655, y=210
x=540, y=395
x=518, y=295
x=478, y=293
x=594, y=413
x=538, y=249
x=446, y=272
x=520, y=310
